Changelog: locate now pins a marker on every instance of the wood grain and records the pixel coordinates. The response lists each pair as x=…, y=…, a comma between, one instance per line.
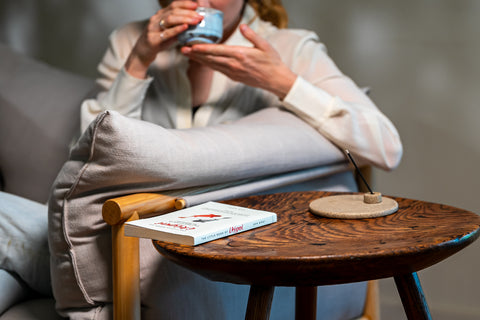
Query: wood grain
x=302, y=249
x=126, y=274
x=306, y=303
x=118, y=210
x=259, y=302
x=412, y=296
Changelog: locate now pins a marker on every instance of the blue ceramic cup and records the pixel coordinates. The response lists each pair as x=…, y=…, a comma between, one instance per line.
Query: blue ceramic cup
x=209, y=30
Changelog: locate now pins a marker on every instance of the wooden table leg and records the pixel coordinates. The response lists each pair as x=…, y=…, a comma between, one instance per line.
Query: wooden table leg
x=259, y=302
x=413, y=299
x=306, y=303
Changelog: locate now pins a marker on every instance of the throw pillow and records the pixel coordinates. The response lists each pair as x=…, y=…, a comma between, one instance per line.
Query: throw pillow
x=118, y=155
x=24, y=247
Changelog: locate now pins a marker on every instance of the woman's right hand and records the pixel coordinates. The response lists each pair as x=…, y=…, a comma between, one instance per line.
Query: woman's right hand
x=160, y=33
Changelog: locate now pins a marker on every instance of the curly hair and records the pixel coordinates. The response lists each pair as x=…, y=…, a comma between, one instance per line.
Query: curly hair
x=268, y=10
x=271, y=11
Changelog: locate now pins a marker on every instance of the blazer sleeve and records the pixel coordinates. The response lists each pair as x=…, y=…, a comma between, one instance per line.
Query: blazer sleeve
x=335, y=106
x=118, y=90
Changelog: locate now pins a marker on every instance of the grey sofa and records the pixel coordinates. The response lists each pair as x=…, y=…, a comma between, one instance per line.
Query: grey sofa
x=38, y=119
x=39, y=110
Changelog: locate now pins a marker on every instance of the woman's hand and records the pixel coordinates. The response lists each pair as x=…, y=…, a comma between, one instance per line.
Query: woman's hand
x=260, y=66
x=160, y=33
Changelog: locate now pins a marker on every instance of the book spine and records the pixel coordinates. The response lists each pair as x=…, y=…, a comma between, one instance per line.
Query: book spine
x=234, y=229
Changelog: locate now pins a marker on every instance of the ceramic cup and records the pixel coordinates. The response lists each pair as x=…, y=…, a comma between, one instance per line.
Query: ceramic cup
x=209, y=30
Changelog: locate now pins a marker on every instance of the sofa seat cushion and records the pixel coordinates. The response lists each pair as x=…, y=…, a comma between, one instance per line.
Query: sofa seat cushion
x=33, y=309
x=13, y=290
x=24, y=246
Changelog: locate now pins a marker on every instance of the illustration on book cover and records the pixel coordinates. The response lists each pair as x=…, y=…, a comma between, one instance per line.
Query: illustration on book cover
x=199, y=224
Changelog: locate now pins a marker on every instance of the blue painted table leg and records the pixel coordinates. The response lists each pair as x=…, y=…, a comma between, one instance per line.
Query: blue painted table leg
x=413, y=299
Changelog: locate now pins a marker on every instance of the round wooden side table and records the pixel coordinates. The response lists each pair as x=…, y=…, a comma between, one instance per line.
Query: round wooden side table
x=305, y=251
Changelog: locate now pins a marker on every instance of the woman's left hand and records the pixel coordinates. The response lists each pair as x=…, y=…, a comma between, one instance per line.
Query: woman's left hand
x=260, y=66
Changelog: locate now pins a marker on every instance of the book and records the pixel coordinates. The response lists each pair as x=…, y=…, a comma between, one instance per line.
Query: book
x=199, y=224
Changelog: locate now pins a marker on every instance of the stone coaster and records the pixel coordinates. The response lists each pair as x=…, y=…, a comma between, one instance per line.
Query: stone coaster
x=352, y=207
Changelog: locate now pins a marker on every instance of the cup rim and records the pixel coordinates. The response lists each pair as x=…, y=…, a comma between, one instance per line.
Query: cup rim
x=209, y=10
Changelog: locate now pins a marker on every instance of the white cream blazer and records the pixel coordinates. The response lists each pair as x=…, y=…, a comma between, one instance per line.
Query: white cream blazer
x=321, y=95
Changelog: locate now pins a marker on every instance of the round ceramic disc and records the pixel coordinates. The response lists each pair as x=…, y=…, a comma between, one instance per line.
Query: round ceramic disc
x=352, y=207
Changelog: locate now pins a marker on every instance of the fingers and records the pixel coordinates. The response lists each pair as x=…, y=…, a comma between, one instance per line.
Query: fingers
x=218, y=54
x=255, y=39
x=177, y=13
x=232, y=51
x=210, y=49
x=167, y=20
x=162, y=25
x=213, y=55
x=170, y=33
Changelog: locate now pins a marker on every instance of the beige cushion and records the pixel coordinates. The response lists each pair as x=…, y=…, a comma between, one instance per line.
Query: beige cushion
x=119, y=155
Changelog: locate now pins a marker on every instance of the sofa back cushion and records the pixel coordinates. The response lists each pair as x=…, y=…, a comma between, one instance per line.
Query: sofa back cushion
x=117, y=156
x=39, y=116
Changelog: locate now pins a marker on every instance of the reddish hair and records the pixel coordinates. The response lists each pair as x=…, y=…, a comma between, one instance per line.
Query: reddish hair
x=270, y=10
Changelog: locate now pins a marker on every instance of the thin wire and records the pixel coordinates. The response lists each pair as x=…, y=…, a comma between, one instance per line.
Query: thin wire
x=358, y=171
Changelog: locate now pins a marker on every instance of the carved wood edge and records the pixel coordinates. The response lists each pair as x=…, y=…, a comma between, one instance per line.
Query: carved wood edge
x=118, y=210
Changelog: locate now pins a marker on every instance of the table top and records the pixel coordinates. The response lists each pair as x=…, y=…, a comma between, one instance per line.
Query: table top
x=305, y=249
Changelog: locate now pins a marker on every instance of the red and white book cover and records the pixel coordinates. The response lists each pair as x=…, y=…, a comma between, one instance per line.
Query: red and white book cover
x=199, y=224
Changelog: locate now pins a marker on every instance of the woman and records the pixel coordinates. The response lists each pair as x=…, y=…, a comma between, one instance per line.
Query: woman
x=258, y=64
x=146, y=75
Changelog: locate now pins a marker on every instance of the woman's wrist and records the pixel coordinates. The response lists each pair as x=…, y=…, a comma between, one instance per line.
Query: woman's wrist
x=284, y=82
x=136, y=67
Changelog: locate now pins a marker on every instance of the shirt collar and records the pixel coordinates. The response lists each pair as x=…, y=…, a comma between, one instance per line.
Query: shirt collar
x=251, y=19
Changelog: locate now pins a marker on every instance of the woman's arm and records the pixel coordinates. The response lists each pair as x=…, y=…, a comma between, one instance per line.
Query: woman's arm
x=309, y=84
x=260, y=66
x=118, y=90
x=123, y=70
x=333, y=104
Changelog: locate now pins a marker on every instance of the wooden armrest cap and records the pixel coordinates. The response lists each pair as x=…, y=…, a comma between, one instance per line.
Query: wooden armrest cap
x=120, y=209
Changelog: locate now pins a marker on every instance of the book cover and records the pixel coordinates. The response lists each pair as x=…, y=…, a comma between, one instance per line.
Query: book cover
x=199, y=224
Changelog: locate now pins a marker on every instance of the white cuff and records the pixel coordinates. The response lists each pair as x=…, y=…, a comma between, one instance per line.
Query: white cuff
x=308, y=101
x=127, y=92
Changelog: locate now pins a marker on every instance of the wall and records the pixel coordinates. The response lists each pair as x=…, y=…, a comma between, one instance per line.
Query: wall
x=68, y=34
x=420, y=57
x=421, y=60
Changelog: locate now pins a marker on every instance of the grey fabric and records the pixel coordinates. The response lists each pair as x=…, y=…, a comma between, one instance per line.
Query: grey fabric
x=13, y=290
x=328, y=177
x=39, y=115
x=23, y=245
x=34, y=309
x=119, y=155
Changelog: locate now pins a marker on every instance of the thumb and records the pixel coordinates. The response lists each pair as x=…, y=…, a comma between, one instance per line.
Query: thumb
x=255, y=39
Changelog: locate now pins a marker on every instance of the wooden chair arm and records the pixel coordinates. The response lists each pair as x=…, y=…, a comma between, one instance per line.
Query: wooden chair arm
x=119, y=210
x=126, y=257
x=125, y=250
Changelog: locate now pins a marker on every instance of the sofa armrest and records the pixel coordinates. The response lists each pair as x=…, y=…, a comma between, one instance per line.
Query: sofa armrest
x=40, y=110
x=125, y=250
